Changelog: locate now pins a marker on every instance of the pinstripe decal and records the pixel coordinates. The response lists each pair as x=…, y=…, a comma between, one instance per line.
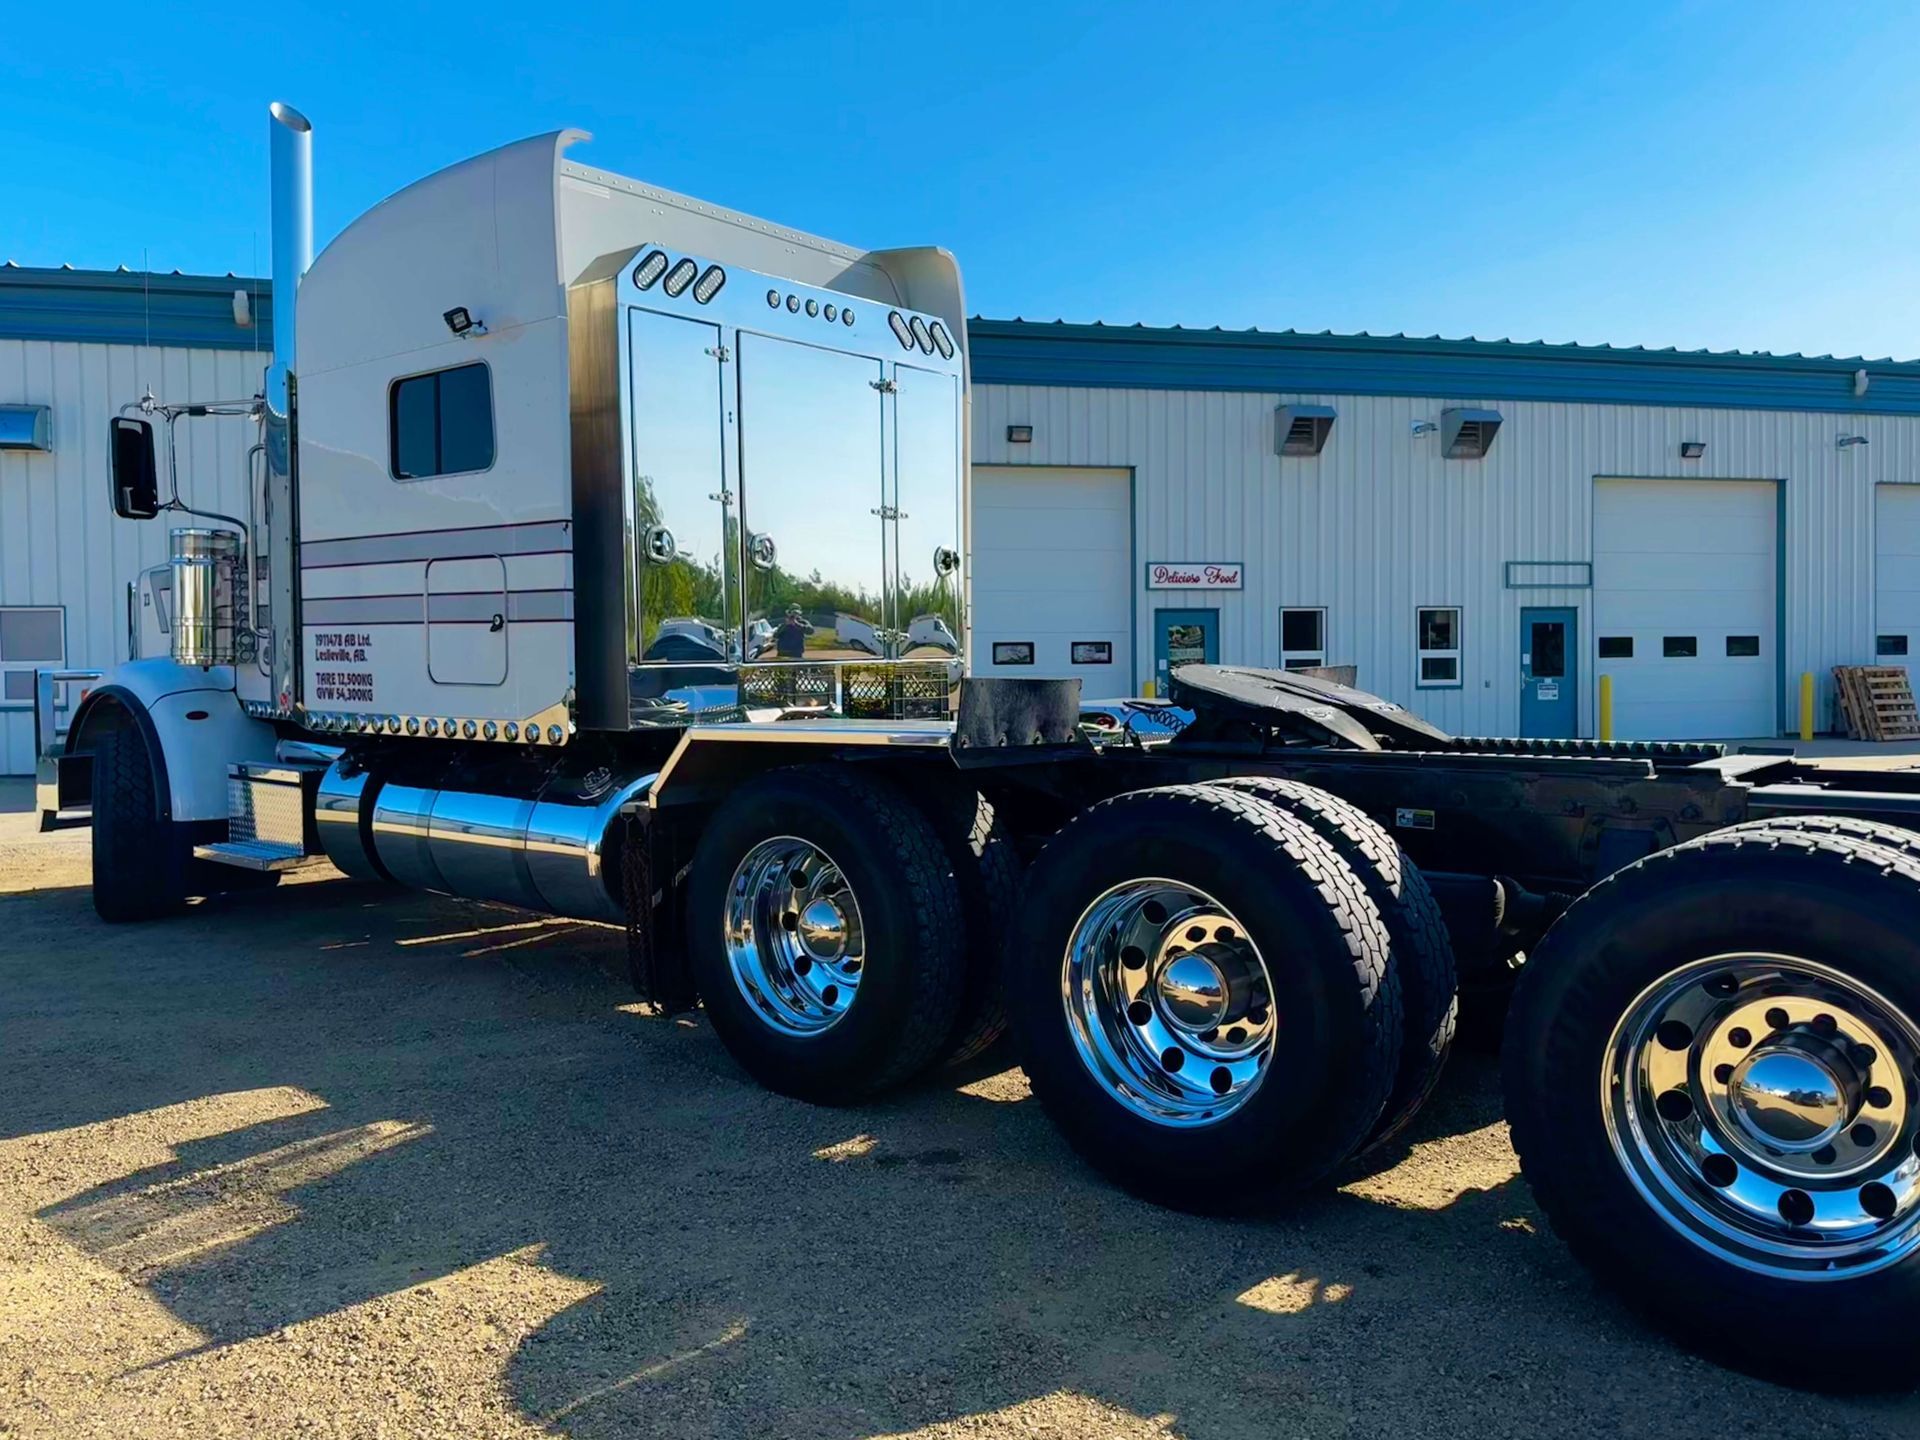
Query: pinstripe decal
x=461, y=608
x=539, y=537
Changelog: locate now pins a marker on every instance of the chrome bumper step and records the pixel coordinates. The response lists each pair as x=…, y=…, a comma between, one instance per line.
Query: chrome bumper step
x=256, y=855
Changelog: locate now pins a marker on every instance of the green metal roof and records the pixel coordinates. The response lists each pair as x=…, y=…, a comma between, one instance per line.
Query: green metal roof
x=127, y=307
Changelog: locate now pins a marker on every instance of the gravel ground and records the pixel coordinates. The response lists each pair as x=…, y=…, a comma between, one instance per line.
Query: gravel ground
x=336, y=1161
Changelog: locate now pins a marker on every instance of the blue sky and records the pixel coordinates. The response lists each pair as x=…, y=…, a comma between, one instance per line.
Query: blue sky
x=1726, y=175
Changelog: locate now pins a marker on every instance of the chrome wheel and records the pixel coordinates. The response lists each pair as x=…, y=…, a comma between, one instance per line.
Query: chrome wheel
x=1764, y=1105
x=794, y=938
x=1170, y=1004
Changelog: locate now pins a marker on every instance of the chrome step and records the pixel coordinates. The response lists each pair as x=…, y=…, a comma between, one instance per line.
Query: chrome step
x=256, y=855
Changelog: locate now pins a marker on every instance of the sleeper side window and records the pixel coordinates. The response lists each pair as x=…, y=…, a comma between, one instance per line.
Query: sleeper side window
x=441, y=423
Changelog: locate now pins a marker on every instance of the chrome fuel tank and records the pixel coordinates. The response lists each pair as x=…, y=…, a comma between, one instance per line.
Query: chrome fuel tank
x=538, y=837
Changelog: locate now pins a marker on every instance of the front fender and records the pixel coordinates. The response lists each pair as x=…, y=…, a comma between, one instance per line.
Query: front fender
x=192, y=722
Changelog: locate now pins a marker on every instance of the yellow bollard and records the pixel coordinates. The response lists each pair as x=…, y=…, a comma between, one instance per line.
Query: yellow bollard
x=1806, y=705
x=1606, y=707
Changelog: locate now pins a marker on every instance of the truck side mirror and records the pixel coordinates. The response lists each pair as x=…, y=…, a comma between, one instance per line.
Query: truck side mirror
x=136, y=479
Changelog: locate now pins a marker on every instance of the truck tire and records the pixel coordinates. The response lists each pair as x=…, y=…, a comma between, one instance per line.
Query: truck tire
x=1161, y=1041
x=1422, y=951
x=1709, y=1080
x=138, y=859
x=824, y=933
x=987, y=870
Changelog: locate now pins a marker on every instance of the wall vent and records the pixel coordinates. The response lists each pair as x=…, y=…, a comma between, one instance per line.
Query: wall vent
x=1303, y=429
x=1468, y=434
x=26, y=427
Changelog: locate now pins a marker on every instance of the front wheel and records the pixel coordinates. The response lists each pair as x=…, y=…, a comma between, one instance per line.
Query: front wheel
x=1711, y=1077
x=139, y=857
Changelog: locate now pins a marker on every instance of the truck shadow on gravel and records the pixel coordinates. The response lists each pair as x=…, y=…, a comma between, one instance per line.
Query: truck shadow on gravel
x=423, y=1090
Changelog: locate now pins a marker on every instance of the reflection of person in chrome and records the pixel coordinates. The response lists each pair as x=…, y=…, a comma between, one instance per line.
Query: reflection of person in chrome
x=790, y=640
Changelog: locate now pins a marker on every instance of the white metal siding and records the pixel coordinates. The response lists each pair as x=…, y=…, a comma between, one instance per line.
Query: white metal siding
x=1052, y=564
x=60, y=543
x=1379, y=524
x=1691, y=562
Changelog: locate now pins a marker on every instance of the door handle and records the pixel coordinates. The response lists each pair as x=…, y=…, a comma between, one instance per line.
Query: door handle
x=497, y=624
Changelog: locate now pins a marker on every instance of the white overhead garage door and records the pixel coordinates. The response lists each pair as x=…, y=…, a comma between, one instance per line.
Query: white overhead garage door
x=1053, y=575
x=1684, y=576
x=1896, y=573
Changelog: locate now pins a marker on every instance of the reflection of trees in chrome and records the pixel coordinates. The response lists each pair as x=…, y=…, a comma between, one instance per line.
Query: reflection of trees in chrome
x=694, y=586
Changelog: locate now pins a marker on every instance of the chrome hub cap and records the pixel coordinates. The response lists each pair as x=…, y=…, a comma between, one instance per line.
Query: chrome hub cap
x=1169, y=1003
x=793, y=935
x=1764, y=1105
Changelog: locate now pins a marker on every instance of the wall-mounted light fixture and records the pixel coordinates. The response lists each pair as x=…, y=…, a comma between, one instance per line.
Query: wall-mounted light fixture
x=1846, y=441
x=1019, y=434
x=1424, y=427
x=461, y=322
x=1692, y=449
x=26, y=427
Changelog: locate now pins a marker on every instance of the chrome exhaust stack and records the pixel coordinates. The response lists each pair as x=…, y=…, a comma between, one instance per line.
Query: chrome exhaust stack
x=291, y=148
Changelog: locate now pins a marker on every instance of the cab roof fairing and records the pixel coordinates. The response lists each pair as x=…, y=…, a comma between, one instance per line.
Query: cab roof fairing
x=506, y=232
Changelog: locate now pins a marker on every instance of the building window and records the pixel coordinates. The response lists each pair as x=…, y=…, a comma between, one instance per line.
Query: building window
x=31, y=638
x=1743, y=644
x=1093, y=652
x=1616, y=647
x=1437, y=629
x=1890, y=645
x=441, y=423
x=1303, y=639
x=1013, y=652
x=1679, y=647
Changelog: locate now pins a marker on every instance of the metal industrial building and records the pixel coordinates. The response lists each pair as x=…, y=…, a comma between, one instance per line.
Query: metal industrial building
x=1481, y=529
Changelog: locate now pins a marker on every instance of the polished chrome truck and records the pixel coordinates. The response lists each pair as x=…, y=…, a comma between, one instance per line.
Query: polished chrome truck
x=607, y=556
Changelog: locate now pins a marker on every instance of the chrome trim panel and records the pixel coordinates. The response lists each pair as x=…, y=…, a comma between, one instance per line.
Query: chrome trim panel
x=470, y=608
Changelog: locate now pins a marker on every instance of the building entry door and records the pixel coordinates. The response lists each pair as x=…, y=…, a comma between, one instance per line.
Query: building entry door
x=1549, y=704
x=1183, y=637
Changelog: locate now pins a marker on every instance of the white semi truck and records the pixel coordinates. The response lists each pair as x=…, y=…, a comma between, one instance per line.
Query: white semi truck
x=555, y=467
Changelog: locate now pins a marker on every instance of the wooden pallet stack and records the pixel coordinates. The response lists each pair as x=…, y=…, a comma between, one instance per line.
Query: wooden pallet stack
x=1877, y=702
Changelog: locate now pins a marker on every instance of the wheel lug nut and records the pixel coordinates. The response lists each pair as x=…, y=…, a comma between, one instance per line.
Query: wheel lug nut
x=1740, y=1036
x=1723, y=1073
x=1258, y=1015
x=1879, y=1097
x=1209, y=1036
x=1196, y=933
x=1862, y=1055
x=1777, y=1018
x=1863, y=1134
x=1825, y=1024
x=1236, y=1035
x=1825, y=1155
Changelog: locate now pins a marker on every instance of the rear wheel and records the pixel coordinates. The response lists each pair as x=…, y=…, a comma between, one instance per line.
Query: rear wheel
x=1422, y=952
x=1203, y=996
x=1710, y=1077
x=824, y=933
x=139, y=859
